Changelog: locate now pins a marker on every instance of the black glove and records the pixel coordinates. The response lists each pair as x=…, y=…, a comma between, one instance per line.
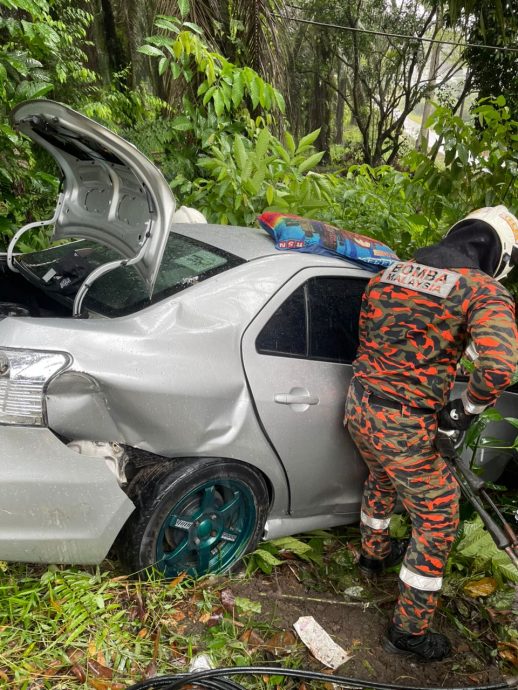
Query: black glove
x=445, y=447
x=454, y=417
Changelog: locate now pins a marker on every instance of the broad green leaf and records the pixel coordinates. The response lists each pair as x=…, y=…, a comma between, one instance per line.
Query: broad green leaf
x=267, y=557
x=152, y=51
x=162, y=65
x=208, y=94
x=262, y=143
x=290, y=142
x=270, y=194
x=219, y=105
x=279, y=99
x=308, y=140
x=291, y=544
x=184, y=7
x=237, y=89
x=240, y=152
x=257, y=180
x=311, y=162
x=30, y=89
x=194, y=27
x=253, y=87
x=182, y=123
x=247, y=605
x=168, y=23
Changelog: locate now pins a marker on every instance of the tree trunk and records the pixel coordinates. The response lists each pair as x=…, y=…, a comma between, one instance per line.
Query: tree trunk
x=422, y=139
x=340, y=105
x=320, y=109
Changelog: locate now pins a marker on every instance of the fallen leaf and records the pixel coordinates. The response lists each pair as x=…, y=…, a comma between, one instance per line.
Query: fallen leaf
x=52, y=668
x=215, y=619
x=509, y=652
x=228, y=600
x=279, y=643
x=204, y=617
x=78, y=672
x=177, y=580
x=100, y=684
x=98, y=670
x=74, y=654
x=142, y=633
x=481, y=588
x=150, y=670
x=252, y=639
x=178, y=616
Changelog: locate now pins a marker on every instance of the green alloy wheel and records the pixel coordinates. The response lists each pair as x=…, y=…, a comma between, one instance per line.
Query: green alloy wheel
x=196, y=516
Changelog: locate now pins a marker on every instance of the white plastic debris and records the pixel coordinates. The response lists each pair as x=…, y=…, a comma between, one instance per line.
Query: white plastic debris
x=200, y=662
x=320, y=643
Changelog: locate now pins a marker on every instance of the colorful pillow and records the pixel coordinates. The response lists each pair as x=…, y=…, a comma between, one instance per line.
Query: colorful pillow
x=314, y=236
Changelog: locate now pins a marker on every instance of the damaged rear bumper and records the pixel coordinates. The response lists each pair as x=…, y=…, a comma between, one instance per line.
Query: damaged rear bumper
x=56, y=506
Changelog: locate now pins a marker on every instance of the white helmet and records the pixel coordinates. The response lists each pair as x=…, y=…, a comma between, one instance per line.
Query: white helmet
x=185, y=214
x=505, y=226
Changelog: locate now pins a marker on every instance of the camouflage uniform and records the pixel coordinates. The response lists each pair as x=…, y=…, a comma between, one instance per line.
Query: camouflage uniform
x=415, y=324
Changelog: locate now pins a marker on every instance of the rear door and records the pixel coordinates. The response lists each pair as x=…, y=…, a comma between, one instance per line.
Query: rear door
x=297, y=356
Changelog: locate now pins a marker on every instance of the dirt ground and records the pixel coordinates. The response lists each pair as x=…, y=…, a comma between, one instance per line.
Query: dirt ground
x=358, y=628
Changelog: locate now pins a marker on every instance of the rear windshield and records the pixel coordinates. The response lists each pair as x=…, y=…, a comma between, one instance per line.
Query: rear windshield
x=185, y=262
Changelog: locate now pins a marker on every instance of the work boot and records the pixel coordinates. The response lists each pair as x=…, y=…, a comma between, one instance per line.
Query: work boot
x=429, y=647
x=372, y=567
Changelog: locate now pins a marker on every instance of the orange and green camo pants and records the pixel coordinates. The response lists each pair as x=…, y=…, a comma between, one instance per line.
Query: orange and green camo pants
x=397, y=446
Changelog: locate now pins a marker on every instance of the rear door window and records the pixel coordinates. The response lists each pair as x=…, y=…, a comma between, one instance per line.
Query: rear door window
x=318, y=321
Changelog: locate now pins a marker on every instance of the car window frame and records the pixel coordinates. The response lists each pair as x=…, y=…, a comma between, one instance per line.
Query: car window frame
x=288, y=288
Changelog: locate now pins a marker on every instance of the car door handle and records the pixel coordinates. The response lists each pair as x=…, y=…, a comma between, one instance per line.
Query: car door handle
x=296, y=399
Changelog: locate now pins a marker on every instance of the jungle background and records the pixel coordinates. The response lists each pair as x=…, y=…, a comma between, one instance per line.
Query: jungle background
x=393, y=118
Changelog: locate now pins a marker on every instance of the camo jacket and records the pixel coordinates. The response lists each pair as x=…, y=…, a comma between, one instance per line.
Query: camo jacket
x=415, y=324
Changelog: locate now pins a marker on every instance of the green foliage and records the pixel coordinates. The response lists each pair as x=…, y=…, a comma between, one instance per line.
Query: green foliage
x=476, y=436
x=494, y=71
x=244, y=177
x=375, y=202
x=227, y=162
x=477, y=550
x=271, y=553
x=39, y=56
x=480, y=163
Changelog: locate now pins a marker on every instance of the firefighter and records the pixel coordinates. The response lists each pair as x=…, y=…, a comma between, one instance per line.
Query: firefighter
x=417, y=319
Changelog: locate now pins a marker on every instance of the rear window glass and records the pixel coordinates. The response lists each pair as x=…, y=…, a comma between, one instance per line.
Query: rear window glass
x=185, y=263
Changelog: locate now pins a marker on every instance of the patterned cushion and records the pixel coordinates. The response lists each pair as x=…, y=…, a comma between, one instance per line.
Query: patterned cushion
x=314, y=236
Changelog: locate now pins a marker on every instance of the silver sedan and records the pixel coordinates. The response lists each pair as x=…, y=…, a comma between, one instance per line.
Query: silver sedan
x=174, y=389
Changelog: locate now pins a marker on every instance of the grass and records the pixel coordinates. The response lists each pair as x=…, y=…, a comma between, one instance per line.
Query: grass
x=67, y=628
x=72, y=628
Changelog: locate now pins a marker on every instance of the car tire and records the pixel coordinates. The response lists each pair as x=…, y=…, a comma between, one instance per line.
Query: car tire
x=196, y=516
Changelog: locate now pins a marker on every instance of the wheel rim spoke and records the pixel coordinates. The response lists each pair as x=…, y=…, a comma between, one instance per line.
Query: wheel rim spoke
x=203, y=554
x=208, y=499
x=182, y=522
x=228, y=510
x=180, y=551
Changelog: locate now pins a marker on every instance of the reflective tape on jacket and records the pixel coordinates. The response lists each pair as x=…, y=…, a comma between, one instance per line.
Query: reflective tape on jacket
x=374, y=523
x=422, y=582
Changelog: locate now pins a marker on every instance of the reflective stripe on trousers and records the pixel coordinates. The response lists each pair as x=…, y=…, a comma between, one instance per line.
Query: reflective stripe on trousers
x=397, y=448
x=374, y=523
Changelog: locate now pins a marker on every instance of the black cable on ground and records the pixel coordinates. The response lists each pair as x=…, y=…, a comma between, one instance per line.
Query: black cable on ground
x=215, y=679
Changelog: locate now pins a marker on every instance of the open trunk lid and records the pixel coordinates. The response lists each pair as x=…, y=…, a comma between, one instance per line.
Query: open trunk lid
x=112, y=193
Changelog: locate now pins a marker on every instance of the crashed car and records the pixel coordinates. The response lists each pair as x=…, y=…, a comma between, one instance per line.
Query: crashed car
x=175, y=390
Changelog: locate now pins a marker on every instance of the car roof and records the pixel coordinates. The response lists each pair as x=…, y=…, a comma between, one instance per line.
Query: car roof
x=246, y=243
x=255, y=243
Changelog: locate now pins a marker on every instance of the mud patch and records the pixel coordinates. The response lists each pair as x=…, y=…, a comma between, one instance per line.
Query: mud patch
x=357, y=623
